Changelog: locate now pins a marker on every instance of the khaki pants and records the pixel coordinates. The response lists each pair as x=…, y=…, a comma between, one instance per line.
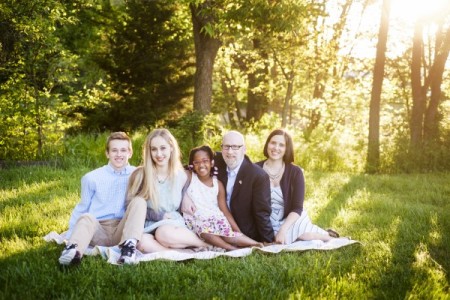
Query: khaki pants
x=90, y=231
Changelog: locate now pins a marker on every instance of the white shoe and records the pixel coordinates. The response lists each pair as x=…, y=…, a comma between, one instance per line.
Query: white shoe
x=70, y=256
x=127, y=253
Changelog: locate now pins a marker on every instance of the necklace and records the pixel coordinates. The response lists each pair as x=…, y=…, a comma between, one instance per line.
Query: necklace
x=161, y=181
x=276, y=175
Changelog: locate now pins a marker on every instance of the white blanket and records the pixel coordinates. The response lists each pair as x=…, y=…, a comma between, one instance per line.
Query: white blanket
x=111, y=254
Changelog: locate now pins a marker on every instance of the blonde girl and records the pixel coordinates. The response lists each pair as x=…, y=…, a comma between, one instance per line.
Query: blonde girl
x=160, y=181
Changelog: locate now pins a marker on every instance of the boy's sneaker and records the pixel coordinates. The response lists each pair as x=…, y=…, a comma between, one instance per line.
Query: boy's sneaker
x=127, y=253
x=70, y=256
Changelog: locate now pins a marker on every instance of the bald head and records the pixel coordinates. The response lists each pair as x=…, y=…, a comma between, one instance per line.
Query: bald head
x=233, y=149
x=233, y=136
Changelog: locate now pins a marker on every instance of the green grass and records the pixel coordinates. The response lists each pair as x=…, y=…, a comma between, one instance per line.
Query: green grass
x=402, y=221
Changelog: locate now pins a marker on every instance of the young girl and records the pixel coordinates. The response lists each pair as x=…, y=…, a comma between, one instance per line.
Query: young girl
x=160, y=181
x=212, y=220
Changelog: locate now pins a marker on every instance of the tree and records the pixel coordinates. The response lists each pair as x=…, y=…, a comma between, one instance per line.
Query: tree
x=36, y=74
x=256, y=38
x=426, y=75
x=204, y=18
x=373, y=151
x=418, y=92
x=145, y=54
x=431, y=121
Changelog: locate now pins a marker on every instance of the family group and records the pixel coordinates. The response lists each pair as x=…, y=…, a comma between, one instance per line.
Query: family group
x=221, y=200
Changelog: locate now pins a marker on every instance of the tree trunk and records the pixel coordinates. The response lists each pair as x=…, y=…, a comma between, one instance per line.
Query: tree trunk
x=418, y=96
x=257, y=102
x=431, y=122
x=232, y=102
x=287, y=99
x=206, y=47
x=373, y=151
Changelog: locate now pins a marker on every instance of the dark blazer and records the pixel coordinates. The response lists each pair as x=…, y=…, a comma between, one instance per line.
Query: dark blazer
x=250, y=200
x=292, y=185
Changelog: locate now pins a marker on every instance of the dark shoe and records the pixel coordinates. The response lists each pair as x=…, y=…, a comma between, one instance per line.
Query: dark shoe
x=70, y=256
x=332, y=233
x=127, y=253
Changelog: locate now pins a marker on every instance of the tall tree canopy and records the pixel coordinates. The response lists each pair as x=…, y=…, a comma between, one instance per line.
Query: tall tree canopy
x=304, y=64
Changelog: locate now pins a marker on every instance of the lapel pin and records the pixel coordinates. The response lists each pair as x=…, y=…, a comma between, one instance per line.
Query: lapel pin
x=240, y=181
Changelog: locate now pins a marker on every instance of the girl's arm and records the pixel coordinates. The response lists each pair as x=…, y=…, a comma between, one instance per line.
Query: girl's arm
x=224, y=208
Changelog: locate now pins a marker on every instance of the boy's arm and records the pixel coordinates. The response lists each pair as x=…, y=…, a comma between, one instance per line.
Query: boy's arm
x=87, y=193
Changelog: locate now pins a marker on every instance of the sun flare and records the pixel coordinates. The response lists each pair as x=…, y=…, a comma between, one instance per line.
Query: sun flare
x=412, y=10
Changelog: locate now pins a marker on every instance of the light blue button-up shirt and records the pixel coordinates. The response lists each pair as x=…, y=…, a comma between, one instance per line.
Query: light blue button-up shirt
x=103, y=193
x=231, y=180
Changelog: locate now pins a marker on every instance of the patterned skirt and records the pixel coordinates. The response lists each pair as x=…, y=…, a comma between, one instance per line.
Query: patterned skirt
x=216, y=224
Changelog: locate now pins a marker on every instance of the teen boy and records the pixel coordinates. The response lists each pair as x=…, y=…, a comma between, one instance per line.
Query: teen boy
x=100, y=217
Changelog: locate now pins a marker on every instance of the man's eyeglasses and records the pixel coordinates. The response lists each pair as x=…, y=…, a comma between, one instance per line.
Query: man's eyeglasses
x=228, y=147
x=199, y=162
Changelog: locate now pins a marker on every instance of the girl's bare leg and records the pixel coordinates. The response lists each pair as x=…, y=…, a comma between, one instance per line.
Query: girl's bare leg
x=243, y=241
x=217, y=241
x=177, y=237
x=148, y=244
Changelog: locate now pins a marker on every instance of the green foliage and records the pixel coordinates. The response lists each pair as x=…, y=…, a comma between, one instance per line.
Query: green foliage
x=84, y=150
x=90, y=66
x=194, y=129
x=400, y=158
x=402, y=223
x=38, y=75
x=187, y=131
x=322, y=149
x=146, y=58
x=98, y=66
x=88, y=150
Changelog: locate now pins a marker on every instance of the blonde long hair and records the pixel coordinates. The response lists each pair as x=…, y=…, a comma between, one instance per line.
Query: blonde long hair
x=142, y=180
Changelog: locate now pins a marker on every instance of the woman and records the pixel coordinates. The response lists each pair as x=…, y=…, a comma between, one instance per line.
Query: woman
x=160, y=181
x=287, y=184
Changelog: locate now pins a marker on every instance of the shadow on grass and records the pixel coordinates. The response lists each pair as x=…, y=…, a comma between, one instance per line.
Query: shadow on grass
x=28, y=198
x=406, y=228
x=36, y=274
x=340, y=199
x=439, y=250
x=399, y=225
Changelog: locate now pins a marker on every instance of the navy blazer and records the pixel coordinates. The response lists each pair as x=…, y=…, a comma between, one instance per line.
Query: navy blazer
x=250, y=200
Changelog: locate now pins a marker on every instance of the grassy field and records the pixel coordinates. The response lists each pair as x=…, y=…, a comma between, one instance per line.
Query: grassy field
x=402, y=222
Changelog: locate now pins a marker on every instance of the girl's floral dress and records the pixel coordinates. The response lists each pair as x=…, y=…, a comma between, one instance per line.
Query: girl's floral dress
x=208, y=218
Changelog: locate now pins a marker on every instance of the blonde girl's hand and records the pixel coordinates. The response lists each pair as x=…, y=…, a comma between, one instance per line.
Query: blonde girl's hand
x=188, y=206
